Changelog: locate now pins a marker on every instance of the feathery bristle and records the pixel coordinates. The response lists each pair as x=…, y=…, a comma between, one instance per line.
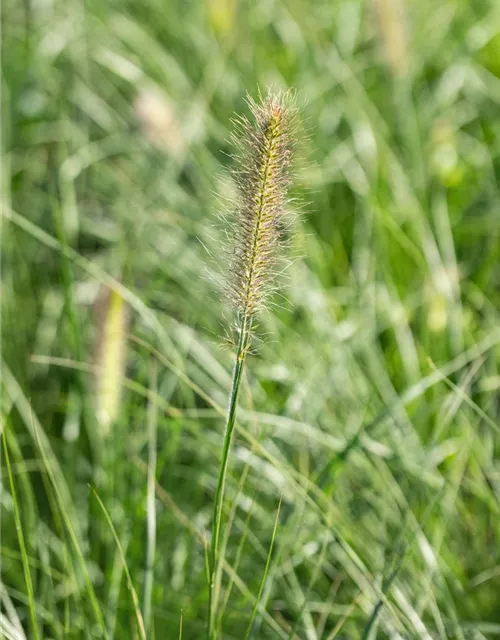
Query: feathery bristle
x=262, y=175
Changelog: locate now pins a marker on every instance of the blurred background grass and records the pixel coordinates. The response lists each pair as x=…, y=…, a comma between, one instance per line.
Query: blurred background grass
x=372, y=405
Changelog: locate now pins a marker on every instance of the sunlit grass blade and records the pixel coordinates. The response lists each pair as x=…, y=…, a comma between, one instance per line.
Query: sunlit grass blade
x=151, y=503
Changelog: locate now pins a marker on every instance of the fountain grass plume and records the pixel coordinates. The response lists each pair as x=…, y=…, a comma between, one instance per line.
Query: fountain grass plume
x=263, y=156
x=261, y=171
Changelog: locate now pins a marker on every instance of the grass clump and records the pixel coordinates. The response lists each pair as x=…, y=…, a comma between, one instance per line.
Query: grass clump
x=372, y=408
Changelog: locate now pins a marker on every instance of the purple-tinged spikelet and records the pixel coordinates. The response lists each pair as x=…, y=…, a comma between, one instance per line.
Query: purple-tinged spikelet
x=262, y=173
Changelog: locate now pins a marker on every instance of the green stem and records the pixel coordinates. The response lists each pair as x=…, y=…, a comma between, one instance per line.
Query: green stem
x=215, y=564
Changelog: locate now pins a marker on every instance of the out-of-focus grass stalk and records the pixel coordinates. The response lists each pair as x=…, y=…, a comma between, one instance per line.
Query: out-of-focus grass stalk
x=110, y=357
x=151, y=498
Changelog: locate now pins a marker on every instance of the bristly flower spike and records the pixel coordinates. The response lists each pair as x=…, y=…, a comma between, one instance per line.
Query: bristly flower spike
x=262, y=173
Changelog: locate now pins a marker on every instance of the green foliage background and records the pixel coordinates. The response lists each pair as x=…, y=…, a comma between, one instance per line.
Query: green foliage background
x=372, y=405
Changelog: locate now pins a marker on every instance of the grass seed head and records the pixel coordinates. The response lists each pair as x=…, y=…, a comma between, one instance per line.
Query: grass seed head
x=110, y=356
x=262, y=172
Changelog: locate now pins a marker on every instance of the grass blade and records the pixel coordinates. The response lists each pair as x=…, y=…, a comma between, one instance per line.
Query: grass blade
x=264, y=575
x=133, y=592
x=22, y=545
x=215, y=563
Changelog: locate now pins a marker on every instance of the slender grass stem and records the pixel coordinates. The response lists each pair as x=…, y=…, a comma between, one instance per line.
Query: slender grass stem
x=215, y=564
